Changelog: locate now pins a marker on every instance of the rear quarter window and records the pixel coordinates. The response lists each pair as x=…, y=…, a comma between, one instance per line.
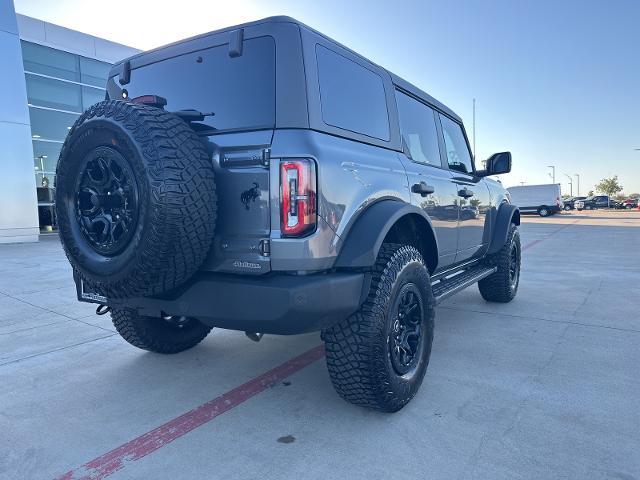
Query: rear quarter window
x=352, y=97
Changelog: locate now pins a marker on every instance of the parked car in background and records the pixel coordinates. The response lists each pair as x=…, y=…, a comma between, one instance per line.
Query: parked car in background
x=569, y=203
x=544, y=199
x=596, y=201
x=629, y=203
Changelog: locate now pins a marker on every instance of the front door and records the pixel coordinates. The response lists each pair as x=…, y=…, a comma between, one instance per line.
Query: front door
x=473, y=196
x=431, y=185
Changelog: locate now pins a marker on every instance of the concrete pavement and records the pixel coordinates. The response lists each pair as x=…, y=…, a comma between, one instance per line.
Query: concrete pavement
x=544, y=387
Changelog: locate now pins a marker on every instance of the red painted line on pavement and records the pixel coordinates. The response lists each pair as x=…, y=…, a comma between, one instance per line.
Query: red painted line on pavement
x=532, y=244
x=536, y=242
x=157, y=438
x=139, y=447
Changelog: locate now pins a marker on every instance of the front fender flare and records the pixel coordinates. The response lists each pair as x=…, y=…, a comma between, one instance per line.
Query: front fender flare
x=364, y=239
x=507, y=214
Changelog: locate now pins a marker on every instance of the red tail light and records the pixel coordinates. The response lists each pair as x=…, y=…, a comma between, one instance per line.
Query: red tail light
x=153, y=100
x=297, y=197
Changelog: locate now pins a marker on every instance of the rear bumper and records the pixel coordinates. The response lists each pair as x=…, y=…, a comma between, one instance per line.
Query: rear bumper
x=280, y=304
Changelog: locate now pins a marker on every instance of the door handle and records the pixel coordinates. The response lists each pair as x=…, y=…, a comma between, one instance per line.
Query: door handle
x=422, y=188
x=465, y=193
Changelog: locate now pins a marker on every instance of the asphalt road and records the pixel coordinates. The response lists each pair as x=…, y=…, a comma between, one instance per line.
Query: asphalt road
x=544, y=387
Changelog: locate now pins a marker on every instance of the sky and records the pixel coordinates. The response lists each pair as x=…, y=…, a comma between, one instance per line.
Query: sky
x=555, y=82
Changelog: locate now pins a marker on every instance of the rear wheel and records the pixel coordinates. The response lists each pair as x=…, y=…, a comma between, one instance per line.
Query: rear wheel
x=567, y=207
x=159, y=334
x=502, y=285
x=378, y=356
x=544, y=211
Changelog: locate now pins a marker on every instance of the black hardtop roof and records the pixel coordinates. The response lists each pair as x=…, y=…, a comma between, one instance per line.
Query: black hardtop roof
x=400, y=82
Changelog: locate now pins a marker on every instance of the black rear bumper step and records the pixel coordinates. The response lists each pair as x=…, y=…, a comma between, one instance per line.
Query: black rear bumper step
x=446, y=287
x=280, y=304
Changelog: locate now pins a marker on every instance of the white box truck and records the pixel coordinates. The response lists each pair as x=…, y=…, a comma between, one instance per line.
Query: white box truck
x=544, y=200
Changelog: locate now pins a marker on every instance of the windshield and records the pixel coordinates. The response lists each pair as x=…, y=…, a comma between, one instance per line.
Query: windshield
x=240, y=91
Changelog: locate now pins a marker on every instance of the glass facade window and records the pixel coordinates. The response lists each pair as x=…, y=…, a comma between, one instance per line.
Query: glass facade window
x=60, y=86
x=91, y=96
x=49, y=61
x=93, y=72
x=46, y=92
x=45, y=157
x=50, y=125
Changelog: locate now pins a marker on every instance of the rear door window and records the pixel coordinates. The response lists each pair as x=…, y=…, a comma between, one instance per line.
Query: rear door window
x=352, y=97
x=418, y=130
x=458, y=154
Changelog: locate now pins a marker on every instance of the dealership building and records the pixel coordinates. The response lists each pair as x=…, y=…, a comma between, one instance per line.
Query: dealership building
x=50, y=75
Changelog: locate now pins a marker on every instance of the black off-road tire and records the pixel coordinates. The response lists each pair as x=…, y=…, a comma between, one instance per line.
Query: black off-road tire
x=502, y=286
x=175, y=198
x=359, y=349
x=157, y=334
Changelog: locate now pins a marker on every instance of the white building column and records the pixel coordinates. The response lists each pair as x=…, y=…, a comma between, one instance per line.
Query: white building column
x=18, y=202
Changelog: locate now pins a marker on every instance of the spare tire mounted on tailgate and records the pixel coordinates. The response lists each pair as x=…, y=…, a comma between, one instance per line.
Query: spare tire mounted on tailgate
x=135, y=197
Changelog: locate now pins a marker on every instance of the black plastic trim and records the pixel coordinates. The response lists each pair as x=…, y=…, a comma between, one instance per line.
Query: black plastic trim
x=507, y=214
x=279, y=304
x=365, y=237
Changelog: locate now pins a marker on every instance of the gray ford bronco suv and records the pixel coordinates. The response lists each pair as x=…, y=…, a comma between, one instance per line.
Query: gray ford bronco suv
x=267, y=179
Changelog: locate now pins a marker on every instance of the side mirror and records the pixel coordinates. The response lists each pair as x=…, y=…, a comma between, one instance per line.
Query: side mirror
x=497, y=164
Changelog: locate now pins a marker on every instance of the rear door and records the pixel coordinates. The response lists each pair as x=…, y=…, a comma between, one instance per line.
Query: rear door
x=473, y=196
x=602, y=201
x=432, y=186
x=235, y=87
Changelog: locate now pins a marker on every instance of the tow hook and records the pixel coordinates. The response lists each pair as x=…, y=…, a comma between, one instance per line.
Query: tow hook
x=256, y=337
x=103, y=309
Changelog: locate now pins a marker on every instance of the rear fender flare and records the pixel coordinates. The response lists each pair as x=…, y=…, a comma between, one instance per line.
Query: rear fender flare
x=364, y=239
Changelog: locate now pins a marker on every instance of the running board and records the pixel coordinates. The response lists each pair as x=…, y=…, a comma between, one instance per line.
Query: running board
x=446, y=287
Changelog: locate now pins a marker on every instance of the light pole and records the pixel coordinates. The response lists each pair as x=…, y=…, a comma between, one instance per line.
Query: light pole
x=553, y=168
x=578, y=178
x=474, y=128
x=570, y=184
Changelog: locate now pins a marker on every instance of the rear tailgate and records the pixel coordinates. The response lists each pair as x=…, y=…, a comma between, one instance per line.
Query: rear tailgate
x=238, y=88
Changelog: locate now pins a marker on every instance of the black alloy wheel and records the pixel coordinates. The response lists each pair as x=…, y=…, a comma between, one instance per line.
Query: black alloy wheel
x=405, y=338
x=107, y=204
x=514, y=266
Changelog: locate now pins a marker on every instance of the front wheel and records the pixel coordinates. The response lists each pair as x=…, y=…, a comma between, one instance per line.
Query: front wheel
x=502, y=285
x=159, y=334
x=567, y=208
x=378, y=356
